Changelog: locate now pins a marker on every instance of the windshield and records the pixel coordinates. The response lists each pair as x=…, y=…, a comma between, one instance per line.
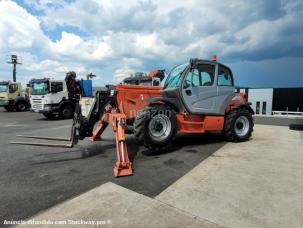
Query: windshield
x=40, y=88
x=3, y=88
x=173, y=78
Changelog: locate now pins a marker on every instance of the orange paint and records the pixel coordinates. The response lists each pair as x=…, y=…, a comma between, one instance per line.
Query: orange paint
x=199, y=123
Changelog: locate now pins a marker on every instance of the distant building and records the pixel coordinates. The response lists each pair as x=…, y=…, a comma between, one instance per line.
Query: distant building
x=268, y=101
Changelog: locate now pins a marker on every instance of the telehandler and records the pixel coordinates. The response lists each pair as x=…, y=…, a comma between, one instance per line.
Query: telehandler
x=197, y=97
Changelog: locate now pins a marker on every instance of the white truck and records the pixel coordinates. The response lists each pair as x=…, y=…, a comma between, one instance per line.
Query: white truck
x=51, y=98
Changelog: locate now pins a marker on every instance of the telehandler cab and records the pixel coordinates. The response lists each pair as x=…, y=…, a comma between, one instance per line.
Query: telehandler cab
x=197, y=97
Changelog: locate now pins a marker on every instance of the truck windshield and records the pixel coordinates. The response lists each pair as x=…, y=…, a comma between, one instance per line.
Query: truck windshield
x=3, y=88
x=40, y=88
x=173, y=79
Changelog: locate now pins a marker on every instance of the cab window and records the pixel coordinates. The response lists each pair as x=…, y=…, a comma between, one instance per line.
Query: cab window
x=13, y=88
x=202, y=75
x=224, y=77
x=56, y=87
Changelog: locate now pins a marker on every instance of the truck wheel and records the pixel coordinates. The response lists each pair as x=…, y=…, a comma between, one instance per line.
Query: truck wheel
x=21, y=106
x=238, y=125
x=49, y=115
x=9, y=108
x=155, y=127
x=66, y=112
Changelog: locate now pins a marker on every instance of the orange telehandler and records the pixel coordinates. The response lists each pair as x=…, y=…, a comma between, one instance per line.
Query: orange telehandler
x=197, y=97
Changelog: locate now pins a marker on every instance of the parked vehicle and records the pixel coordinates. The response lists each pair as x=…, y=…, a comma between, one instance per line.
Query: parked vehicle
x=12, y=97
x=55, y=98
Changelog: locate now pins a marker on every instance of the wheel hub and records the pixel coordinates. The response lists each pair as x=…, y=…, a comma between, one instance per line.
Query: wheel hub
x=242, y=125
x=159, y=127
x=21, y=106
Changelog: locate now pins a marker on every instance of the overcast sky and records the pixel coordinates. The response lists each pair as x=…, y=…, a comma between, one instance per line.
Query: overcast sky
x=261, y=40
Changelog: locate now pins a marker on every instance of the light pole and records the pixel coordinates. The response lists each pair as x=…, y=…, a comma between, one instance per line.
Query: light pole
x=14, y=59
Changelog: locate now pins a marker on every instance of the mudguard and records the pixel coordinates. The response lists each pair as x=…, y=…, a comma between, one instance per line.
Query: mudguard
x=246, y=106
x=173, y=102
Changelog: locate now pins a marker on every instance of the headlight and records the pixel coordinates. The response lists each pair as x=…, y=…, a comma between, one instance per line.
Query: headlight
x=112, y=93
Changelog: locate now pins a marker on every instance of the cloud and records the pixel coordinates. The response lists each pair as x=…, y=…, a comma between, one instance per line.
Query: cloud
x=143, y=34
x=73, y=46
x=199, y=27
x=127, y=67
x=19, y=30
x=21, y=33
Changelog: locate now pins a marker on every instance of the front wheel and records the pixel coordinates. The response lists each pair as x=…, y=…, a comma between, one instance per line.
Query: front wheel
x=238, y=125
x=155, y=127
x=66, y=112
x=21, y=106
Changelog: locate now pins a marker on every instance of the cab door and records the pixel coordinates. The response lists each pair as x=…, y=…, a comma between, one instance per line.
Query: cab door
x=207, y=89
x=13, y=91
x=225, y=87
x=57, y=92
x=199, y=89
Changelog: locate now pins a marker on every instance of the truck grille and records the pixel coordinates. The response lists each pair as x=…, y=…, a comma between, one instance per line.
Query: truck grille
x=37, y=104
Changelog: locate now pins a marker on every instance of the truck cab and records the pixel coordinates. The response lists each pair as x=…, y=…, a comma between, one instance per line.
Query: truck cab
x=50, y=97
x=12, y=97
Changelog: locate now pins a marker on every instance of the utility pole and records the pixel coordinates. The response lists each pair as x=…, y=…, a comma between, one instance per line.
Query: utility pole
x=14, y=59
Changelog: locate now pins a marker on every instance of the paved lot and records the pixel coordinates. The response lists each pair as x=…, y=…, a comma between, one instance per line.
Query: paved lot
x=253, y=184
x=35, y=178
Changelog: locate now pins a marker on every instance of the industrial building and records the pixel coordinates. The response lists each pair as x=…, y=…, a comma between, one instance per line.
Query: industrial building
x=269, y=101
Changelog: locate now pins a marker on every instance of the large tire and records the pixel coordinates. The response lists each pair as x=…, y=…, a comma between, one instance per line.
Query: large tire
x=238, y=125
x=155, y=127
x=66, y=112
x=21, y=106
x=49, y=115
x=9, y=108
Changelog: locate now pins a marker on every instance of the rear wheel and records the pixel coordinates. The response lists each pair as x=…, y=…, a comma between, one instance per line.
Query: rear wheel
x=21, y=106
x=66, y=112
x=238, y=125
x=155, y=127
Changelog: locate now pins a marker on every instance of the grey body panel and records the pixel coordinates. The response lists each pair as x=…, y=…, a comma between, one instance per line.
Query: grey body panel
x=202, y=99
x=225, y=94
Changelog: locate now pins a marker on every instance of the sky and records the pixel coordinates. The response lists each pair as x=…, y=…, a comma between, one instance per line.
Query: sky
x=262, y=41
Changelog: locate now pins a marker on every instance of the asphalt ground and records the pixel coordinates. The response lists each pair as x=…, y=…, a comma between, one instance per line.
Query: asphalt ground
x=33, y=179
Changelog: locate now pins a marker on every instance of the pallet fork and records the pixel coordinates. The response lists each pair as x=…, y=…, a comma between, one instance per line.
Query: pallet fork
x=83, y=127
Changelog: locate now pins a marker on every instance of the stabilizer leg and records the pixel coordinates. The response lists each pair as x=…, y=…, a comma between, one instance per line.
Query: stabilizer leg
x=123, y=165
